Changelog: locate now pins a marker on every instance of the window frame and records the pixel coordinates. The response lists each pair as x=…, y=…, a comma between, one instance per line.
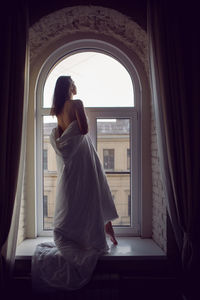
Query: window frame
x=58, y=55
x=132, y=114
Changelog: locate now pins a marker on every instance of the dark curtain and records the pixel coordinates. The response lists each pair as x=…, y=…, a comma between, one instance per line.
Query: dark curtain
x=173, y=33
x=13, y=37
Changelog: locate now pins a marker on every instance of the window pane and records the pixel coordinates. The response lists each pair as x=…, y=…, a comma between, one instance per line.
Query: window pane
x=113, y=141
x=100, y=79
x=49, y=173
x=108, y=159
x=120, y=189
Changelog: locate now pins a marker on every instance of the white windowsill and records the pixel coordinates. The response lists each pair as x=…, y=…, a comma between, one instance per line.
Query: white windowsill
x=128, y=248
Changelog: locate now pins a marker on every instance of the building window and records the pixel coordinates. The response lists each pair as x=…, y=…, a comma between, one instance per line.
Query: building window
x=129, y=205
x=112, y=127
x=45, y=159
x=128, y=159
x=108, y=159
x=45, y=206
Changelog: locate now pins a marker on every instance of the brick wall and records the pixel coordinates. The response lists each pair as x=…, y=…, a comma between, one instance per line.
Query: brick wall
x=158, y=199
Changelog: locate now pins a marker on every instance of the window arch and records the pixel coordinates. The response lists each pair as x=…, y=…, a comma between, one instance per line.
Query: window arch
x=83, y=46
x=102, y=80
x=123, y=120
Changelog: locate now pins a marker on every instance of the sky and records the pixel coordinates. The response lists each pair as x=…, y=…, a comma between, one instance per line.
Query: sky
x=100, y=79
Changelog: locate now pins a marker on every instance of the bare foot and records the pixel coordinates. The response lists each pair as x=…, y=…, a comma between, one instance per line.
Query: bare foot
x=109, y=230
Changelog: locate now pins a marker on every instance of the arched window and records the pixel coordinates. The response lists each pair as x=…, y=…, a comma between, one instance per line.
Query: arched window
x=108, y=86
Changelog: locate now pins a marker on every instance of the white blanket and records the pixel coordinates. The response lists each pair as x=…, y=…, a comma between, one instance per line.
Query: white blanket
x=83, y=205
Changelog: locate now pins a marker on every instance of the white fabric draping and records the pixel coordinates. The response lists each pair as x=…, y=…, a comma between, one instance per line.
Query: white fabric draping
x=83, y=205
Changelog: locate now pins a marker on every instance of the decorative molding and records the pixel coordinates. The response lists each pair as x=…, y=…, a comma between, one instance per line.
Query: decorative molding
x=87, y=19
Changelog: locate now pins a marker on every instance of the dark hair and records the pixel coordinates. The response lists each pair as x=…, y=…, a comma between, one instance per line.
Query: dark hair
x=76, y=111
x=61, y=94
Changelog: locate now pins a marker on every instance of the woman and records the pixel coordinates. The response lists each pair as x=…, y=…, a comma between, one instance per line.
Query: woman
x=84, y=205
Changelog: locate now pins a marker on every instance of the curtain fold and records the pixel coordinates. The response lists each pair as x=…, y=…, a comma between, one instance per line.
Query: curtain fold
x=11, y=243
x=174, y=71
x=13, y=51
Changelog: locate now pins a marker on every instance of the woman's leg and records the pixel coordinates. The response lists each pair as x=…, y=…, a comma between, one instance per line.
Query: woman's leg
x=109, y=230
